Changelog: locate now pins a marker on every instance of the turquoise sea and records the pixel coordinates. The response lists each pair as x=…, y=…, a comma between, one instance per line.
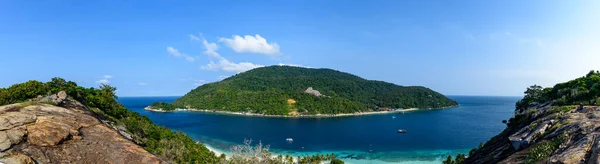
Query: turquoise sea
x=431, y=135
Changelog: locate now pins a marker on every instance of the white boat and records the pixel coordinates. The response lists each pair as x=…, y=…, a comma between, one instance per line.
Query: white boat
x=289, y=140
x=393, y=116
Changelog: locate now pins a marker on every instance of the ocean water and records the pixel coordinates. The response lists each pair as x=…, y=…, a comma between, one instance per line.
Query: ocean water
x=431, y=135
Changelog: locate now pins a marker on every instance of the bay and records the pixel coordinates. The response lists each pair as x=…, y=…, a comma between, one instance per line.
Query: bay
x=431, y=135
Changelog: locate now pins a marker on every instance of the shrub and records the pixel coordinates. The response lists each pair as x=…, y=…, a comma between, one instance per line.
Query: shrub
x=543, y=150
x=337, y=161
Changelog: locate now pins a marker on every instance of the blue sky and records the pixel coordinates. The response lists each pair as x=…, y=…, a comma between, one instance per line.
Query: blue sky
x=158, y=48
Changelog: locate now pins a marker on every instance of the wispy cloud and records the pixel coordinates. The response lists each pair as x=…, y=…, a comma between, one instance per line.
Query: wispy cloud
x=508, y=36
x=194, y=37
x=222, y=63
x=105, y=79
x=174, y=52
x=226, y=65
x=251, y=44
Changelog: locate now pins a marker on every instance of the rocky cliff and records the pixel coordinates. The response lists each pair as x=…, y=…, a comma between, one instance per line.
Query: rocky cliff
x=55, y=129
x=544, y=133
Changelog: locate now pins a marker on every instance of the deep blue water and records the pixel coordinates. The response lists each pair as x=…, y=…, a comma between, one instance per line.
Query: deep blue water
x=431, y=135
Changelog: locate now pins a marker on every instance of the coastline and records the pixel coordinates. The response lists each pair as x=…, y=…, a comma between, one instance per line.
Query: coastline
x=442, y=154
x=149, y=108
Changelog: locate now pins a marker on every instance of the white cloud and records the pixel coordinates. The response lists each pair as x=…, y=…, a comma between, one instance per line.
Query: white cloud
x=222, y=63
x=210, y=49
x=174, y=52
x=142, y=84
x=194, y=37
x=103, y=81
x=226, y=65
x=251, y=44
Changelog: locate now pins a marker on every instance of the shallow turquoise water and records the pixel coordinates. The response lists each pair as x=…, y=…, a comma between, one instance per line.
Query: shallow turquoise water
x=432, y=134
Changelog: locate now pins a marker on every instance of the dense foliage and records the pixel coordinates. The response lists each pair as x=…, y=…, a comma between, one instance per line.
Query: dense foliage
x=279, y=90
x=460, y=158
x=174, y=146
x=584, y=90
x=163, y=106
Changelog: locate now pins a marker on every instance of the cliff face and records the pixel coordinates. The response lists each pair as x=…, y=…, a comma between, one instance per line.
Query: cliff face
x=36, y=132
x=546, y=134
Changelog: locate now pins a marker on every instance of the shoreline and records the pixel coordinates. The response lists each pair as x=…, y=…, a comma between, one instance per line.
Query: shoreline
x=442, y=154
x=149, y=108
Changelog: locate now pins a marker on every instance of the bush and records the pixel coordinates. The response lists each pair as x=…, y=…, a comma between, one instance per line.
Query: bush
x=562, y=109
x=259, y=153
x=543, y=150
x=337, y=161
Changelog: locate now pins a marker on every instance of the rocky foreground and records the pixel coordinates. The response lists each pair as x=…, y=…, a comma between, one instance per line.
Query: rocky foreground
x=40, y=132
x=546, y=134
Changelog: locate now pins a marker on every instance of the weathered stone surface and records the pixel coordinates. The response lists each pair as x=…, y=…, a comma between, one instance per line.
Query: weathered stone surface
x=577, y=130
x=11, y=137
x=10, y=120
x=50, y=132
x=574, y=152
x=55, y=98
x=595, y=150
x=69, y=133
x=311, y=91
x=62, y=95
x=17, y=158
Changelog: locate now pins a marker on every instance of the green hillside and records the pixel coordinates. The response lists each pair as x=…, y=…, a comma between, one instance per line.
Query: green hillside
x=280, y=90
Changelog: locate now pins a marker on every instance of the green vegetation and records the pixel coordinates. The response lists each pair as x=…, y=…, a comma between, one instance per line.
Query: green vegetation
x=164, y=106
x=543, y=150
x=460, y=158
x=174, y=146
x=249, y=154
x=337, y=161
x=279, y=90
x=584, y=90
x=562, y=109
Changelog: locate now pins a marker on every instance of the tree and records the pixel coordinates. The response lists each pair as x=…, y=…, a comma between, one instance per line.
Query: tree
x=337, y=161
x=534, y=93
x=448, y=160
x=460, y=158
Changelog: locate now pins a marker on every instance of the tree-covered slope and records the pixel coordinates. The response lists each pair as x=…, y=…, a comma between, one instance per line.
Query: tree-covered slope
x=280, y=90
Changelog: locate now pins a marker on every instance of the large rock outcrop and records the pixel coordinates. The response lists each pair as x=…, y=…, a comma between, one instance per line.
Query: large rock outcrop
x=311, y=91
x=574, y=130
x=37, y=132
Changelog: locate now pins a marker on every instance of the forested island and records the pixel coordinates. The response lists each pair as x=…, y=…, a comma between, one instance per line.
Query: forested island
x=298, y=91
